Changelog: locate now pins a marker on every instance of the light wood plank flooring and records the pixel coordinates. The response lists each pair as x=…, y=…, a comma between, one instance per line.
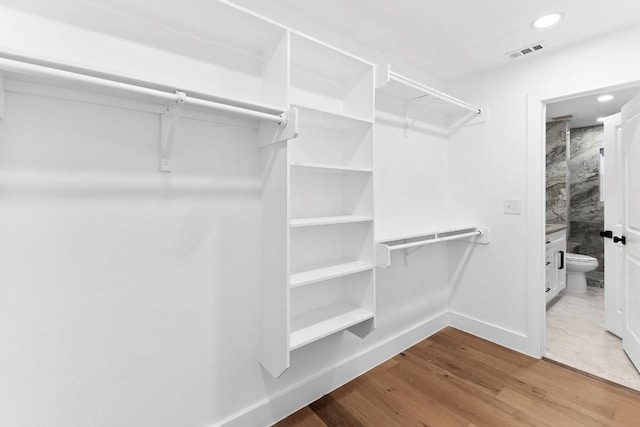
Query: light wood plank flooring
x=456, y=379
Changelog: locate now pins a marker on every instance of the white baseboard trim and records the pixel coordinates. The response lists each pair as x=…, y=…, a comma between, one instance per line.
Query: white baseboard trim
x=274, y=408
x=514, y=340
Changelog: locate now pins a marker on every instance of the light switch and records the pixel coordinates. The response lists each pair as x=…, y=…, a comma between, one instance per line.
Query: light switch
x=513, y=207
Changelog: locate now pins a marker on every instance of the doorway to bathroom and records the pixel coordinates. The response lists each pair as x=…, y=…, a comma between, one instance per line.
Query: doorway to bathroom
x=576, y=286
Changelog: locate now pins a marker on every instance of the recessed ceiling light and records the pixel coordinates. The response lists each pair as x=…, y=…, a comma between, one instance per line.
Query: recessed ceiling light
x=600, y=119
x=605, y=98
x=547, y=20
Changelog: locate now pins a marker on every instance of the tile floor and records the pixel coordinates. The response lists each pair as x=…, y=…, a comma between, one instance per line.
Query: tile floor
x=576, y=337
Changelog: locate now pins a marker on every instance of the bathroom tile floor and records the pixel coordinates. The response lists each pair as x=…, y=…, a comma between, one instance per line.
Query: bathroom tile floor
x=576, y=337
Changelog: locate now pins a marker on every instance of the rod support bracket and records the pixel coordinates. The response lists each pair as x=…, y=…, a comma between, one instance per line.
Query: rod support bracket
x=408, y=123
x=168, y=123
x=406, y=257
x=271, y=133
x=484, y=238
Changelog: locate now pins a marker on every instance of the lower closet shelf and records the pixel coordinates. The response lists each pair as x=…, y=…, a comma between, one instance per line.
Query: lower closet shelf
x=314, y=325
x=327, y=273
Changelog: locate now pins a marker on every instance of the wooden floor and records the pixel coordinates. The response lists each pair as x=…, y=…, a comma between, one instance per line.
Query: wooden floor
x=456, y=379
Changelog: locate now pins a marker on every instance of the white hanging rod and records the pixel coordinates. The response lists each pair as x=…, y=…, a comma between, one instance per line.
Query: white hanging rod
x=436, y=94
x=434, y=240
x=43, y=71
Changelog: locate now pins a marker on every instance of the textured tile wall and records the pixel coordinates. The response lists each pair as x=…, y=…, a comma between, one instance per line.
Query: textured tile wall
x=586, y=211
x=557, y=172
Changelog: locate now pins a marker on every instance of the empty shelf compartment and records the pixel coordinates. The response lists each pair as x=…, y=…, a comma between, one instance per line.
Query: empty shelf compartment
x=312, y=326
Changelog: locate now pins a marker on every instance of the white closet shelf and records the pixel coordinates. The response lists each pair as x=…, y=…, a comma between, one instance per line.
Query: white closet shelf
x=172, y=102
x=402, y=87
x=319, y=118
x=328, y=79
x=411, y=91
x=213, y=55
x=334, y=114
x=324, y=60
x=314, y=325
x=384, y=248
x=327, y=273
x=328, y=167
x=328, y=220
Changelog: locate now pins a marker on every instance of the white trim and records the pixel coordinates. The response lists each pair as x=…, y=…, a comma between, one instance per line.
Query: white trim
x=535, y=190
x=535, y=228
x=497, y=334
x=273, y=408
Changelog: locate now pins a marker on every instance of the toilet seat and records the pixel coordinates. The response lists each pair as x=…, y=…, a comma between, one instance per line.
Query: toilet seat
x=577, y=267
x=583, y=259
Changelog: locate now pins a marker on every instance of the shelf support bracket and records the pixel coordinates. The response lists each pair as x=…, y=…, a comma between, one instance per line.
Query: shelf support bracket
x=406, y=257
x=3, y=97
x=271, y=133
x=409, y=123
x=168, y=122
x=408, y=252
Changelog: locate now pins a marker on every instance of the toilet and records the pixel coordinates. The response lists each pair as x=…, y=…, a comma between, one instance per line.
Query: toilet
x=577, y=266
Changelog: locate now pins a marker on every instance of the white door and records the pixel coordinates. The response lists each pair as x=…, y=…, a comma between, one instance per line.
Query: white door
x=613, y=213
x=631, y=228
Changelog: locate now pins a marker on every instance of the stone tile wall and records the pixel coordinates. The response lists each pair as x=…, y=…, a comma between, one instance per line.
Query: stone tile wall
x=557, y=172
x=586, y=211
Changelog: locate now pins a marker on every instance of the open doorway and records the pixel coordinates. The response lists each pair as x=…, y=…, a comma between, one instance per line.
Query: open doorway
x=576, y=333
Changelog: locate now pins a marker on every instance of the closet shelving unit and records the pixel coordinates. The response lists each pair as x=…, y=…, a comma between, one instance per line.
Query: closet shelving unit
x=214, y=69
x=317, y=213
x=246, y=66
x=444, y=113
x=318, y=206
x=329, y=80
x=409, y=243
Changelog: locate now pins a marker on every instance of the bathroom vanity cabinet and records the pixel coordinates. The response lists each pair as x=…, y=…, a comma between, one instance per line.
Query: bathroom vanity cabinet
x=556, y=272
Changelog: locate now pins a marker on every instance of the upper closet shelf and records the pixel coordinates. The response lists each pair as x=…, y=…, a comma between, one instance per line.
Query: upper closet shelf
x=421, y=99
x=326, y=79
x=470, y=234
x=172, y=102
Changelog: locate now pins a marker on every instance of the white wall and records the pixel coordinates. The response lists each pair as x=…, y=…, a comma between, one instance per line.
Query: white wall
x=499, y=294
x=132, y=297
x=119, y=283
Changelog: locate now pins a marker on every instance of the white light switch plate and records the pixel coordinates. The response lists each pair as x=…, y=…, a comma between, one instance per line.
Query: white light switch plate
x=513, y=207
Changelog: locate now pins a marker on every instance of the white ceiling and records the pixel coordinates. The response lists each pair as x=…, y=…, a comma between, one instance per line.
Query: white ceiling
x=586, y=109
x=451, y=39
x=448, y=39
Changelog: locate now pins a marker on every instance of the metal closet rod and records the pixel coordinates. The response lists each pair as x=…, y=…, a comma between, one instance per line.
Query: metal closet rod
x=436, y=94
x=21, y=67
x=436, y=240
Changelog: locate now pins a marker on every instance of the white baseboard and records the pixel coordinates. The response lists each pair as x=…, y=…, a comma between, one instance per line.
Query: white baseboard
x=274, y=408
x=514, y=340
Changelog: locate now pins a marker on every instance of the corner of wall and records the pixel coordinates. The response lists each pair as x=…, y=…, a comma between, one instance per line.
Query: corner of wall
x=278, y=406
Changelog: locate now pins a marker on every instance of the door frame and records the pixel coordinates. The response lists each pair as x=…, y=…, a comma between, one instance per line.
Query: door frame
x=613, y=214
x=536, y=202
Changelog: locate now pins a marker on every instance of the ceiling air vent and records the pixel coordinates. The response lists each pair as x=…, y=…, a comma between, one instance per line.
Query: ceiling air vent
x=527, y=50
